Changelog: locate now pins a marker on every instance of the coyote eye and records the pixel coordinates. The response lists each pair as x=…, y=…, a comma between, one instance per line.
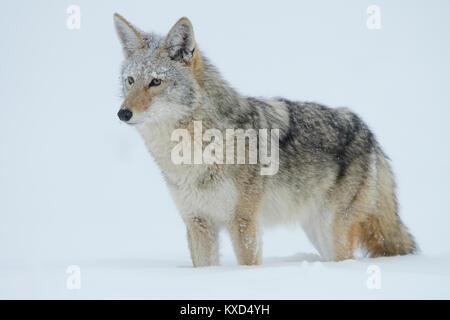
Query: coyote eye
x=155, y=82
x=129, y=82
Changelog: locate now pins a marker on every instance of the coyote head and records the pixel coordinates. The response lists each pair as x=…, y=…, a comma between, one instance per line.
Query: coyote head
x=158, y=74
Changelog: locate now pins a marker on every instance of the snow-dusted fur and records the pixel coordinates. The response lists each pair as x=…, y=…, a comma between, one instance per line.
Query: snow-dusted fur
x=333, y=178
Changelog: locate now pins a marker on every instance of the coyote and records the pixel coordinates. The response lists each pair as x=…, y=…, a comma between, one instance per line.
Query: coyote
x=333, y=178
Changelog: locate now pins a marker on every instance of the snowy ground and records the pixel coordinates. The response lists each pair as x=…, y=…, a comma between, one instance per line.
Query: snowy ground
x=77, y=187
x=301, y=276
x=164, y=271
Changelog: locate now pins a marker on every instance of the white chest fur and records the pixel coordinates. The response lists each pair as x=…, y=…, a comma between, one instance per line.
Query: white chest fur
x=216, y=200
x=216, y=203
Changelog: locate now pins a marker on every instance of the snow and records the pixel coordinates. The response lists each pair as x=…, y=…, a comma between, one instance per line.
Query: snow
x=78, y=188
x=300, y=276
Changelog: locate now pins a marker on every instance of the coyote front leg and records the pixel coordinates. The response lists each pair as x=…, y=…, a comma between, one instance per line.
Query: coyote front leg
x=245, y=233
x=246, y=239
x=203, y=242
x=244, y=227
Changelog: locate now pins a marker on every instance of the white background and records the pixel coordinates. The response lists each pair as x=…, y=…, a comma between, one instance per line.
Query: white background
x=77, y=187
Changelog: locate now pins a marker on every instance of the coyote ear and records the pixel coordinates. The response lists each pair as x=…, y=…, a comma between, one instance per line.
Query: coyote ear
x=180, y=42
x=130, y=37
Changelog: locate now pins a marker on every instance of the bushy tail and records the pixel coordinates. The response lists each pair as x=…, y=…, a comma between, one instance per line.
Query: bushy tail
x=387, y=236
x=384, y=232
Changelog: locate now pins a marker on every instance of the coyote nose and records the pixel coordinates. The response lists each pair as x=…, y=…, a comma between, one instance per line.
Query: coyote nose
x=125, y=114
